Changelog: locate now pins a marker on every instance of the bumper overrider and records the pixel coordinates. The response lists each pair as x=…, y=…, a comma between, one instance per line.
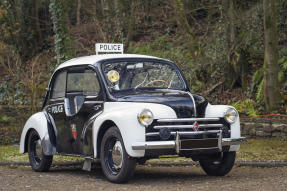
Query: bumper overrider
x=190, y=144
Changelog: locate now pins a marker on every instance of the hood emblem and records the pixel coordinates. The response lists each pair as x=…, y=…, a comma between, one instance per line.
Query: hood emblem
x=195, y=126
x=74, y=131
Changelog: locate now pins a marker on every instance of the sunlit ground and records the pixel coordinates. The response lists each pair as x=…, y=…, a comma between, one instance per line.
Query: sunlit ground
x=260, y=149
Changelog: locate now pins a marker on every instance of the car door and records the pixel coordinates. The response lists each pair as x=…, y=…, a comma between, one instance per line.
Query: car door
x=55, y=105
x=83, y=103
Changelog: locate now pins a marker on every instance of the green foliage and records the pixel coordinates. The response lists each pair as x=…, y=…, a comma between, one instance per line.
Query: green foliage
x=260, y=91
x=12, y=94
x=165, y=47
x=4, y=119
x=258, y=76
x=246, y=106
x=258, y=82
x=62, y=39
x=283, y=68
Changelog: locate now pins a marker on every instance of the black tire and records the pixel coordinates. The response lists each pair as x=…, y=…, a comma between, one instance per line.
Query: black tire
x=38, y=160
x=219, y=167
x=125, y=170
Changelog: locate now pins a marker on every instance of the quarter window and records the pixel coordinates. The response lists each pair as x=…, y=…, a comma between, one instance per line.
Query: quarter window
x=83, y=81
x=59, y=86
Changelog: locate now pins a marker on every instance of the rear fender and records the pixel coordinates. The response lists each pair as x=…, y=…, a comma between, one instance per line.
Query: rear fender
x=43, y=124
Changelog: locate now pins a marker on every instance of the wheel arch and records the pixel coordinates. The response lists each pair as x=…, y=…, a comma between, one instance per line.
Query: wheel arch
x=27, y=139
x=102, y=130
x=37, y=122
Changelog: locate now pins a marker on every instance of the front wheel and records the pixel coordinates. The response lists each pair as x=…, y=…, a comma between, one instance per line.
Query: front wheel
x=116, y=164
x=220, y=166
x=38, y=160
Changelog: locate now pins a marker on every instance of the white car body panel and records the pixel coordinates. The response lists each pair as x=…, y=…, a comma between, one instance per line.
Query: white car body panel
x=124, y=115
x=218, y=111
x=96, y=58
x=38, y=122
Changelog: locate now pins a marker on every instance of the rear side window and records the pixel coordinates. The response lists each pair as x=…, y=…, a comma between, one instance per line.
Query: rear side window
x=59, y=86
x=83, y=81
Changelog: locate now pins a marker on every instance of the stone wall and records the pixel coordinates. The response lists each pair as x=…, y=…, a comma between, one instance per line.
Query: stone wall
x=259, y=127
x=263, y=127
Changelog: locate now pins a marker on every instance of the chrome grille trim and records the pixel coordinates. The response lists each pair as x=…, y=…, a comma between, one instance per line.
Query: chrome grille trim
x=186, y=132
x=173, y=126
x=187, y=119
x=210, y=125
x=187, y=126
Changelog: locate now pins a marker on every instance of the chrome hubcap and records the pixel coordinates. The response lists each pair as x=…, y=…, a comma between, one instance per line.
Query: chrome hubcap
x=117, y=155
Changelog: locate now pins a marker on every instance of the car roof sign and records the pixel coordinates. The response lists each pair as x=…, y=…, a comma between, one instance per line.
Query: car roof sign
x=109, y=47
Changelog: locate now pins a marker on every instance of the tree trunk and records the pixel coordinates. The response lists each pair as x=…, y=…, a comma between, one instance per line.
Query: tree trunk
x=271, y=84
x=236, y=64
x=230, y=32
x=79, y=12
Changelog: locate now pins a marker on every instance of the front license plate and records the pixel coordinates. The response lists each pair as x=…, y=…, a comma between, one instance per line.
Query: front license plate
x=198, y=144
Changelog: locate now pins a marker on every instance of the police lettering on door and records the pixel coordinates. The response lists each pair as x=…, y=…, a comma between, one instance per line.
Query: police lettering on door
x=57, y=109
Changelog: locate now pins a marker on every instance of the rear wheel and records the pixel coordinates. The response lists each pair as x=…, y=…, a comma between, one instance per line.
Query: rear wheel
x=38, y=160
x=220, y=166
x=117, y=165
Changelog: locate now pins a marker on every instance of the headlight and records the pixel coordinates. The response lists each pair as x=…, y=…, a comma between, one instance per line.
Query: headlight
x=145, y=117
x=230, y=115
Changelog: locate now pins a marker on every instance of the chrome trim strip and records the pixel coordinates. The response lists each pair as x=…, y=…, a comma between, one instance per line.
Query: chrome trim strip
x=176, y=144
x=187, y=126
x=191, y=96
x=152, y=134
x=220, y=141
x=195, y=132
x=174, y=127
x=187, y=119
x=210, y=125
x=93, y=102
x=233, y=141
x=154, y=145
x=185, y=132
x=199, y=149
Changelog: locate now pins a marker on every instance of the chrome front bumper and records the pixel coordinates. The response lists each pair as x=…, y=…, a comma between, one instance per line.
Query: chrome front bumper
x=176, y=144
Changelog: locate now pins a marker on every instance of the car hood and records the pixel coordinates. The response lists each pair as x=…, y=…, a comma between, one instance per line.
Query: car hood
x=181, y=102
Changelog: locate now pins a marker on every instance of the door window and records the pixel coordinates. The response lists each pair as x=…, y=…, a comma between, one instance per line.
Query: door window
x=85, y=82
x=59, y=86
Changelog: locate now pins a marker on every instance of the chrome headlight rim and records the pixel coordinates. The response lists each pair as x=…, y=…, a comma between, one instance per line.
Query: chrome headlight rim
x=230, y=115
x=149, y=118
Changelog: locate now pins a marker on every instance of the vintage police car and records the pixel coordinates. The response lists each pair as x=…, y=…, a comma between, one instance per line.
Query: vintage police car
x=124, y=109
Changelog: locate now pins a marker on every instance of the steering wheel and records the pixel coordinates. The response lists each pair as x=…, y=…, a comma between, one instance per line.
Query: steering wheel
x=154, y=81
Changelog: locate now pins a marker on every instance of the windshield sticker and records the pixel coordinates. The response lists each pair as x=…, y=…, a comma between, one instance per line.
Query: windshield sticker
x=113, y=76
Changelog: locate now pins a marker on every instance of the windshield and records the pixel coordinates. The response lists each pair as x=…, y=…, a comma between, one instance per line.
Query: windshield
x=139, y=75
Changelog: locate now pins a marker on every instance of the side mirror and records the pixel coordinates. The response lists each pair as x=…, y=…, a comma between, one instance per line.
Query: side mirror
x=79, y=101
x=73, y=105
x=67, y=107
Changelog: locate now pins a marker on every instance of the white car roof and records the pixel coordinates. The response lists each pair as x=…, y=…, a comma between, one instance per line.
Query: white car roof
x=95, y=58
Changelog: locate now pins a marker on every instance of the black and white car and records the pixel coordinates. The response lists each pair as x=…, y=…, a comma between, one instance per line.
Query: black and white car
x=126, y=109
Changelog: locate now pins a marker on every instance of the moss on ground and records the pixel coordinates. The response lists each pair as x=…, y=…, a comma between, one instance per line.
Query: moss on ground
x=260, y=149
x=11, y=154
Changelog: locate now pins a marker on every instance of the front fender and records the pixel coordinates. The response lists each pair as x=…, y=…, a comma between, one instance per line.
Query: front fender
x=218, y=111
x=37, y=122
x=124, y=115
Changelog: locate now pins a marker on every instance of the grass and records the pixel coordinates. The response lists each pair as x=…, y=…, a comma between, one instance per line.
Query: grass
x=268, y=149
x=11, y=154
x=260, y=149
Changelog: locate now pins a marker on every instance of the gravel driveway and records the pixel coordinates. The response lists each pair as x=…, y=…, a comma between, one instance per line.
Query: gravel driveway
x=146, y=178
